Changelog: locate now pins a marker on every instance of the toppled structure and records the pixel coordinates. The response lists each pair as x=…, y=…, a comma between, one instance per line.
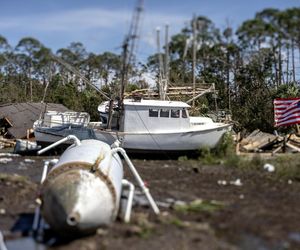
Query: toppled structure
x=259, y=141
x=16, y=119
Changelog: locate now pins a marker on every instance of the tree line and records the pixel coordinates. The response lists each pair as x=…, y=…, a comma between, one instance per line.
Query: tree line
x=250, y=66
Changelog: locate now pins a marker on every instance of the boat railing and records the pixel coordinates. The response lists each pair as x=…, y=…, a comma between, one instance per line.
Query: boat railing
x=55, y=119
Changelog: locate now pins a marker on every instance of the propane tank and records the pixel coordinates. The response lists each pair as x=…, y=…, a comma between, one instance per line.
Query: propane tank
x=82, y=191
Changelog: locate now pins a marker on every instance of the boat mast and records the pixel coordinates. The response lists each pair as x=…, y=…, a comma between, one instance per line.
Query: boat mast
x=194, y=59
x=129, y=46
x=167, y=73
x=163, y=69
x=161, y=74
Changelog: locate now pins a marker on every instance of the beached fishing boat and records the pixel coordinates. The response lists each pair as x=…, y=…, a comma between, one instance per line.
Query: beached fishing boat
x=143, y=125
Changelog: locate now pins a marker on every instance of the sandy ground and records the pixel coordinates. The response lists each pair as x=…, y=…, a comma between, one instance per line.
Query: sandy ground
x=262, y=213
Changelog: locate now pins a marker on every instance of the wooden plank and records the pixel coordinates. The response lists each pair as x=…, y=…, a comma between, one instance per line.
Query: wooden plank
x=292, y=146
x=259, y=140
x=277, y=150
x=294, y=138
x=237, y=147
x=250, y=137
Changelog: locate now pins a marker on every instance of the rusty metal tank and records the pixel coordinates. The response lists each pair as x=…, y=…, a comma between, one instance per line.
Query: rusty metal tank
x=82, y=191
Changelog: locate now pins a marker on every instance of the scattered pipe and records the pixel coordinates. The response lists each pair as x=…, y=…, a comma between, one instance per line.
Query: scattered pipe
x=73, y=138
x=126, y=183
x=137, y=177
x=36, y=219
x=2, y=244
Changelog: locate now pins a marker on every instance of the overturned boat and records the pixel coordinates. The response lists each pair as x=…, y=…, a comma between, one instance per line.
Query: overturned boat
x=141, y=126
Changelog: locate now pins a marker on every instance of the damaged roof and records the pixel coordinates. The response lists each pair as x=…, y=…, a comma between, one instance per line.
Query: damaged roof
x=22, y=115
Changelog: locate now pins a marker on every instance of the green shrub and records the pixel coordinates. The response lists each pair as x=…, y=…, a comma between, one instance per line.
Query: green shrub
x=224, y=151
x=226, y=146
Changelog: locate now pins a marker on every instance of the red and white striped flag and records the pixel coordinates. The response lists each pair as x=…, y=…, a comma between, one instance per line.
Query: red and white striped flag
x=286, y=111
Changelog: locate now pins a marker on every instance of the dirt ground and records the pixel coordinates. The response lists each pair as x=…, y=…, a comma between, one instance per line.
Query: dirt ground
x=262, y=213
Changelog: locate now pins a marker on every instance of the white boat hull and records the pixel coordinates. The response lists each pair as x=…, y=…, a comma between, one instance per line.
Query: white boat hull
x=177, y=141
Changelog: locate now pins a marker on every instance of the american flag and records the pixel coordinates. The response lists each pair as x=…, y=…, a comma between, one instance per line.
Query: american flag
x=286, y=111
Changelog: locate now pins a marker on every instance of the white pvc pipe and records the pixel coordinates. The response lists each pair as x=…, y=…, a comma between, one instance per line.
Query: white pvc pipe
x=138, y=178
x=68, y=138
x=129, y=199
x=45, y=171
x=36, y=218
x=2, y=244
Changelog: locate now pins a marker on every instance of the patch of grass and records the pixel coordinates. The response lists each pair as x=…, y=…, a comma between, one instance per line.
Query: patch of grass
x=177, y=222
x=226, y=146
x=287, y=166
x=199, y=205
x=13, y=178
x=232, y=161
x=146, y=228
x=183, y=158
x=225, y=150
x=244, y=163
x=207, y=156
x=145, y=233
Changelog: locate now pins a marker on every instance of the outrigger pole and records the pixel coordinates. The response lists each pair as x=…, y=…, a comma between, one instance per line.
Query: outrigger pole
x=77, y=73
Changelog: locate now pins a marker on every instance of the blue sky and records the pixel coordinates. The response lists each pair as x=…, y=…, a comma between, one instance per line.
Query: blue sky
x=101, y=25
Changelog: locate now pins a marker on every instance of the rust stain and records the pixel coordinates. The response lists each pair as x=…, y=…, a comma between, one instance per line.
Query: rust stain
x=110, y=186
x=97, y=162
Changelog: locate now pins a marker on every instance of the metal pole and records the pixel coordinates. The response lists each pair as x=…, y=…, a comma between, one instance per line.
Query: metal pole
x=194, y=59
x=129, y=199
x=138, y=178
x=160, y=64
x=68, y=138
x=2, y=244
x=166, y=59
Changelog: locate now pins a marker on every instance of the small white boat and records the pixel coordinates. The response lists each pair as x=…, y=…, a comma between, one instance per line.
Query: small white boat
x=143, y=125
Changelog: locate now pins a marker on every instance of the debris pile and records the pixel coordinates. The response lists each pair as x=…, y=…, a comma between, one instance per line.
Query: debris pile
x=6, y=143
x=16, y=119
x=261, y=142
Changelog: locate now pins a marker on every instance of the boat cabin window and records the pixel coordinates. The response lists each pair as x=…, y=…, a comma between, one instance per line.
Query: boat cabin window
x=175, y=113
x=183, y=113
x=153, y=112
x=164, y=112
